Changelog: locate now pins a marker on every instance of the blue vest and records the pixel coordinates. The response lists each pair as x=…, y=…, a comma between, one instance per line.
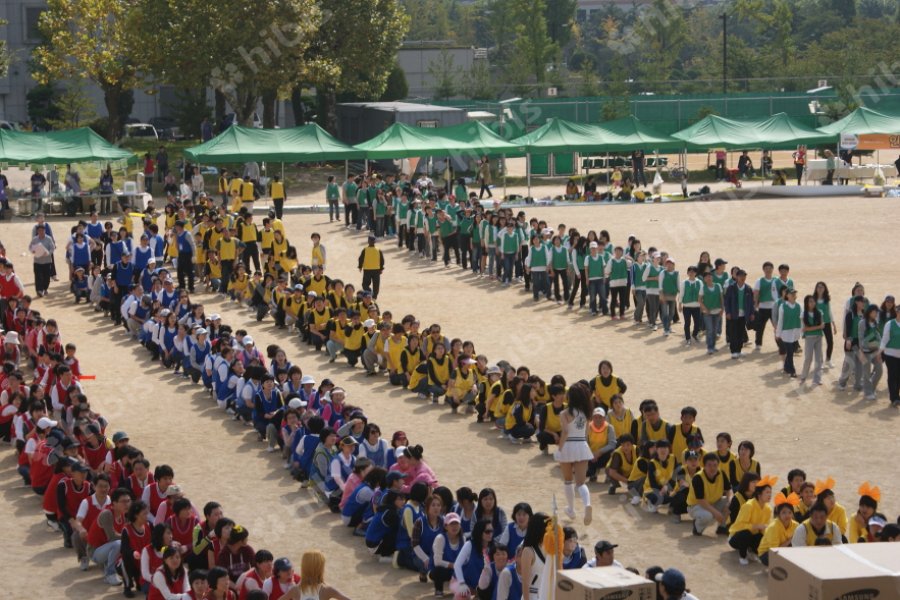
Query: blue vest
x=184, y=247
x=450, y=554
x=265, y=404
x=169, y=338
x=354, y=505
x=115, y=252
x=307, y=450
x=515, y=587
x=142, y=257
x=141, y=311
x=514, y=539
x=429, y=534
x=124, y=275
x=94, y=230
x=378, y=529
x=168, y=300
x=403, y=540
x=81, y=256
x=378, y=457
x=201, y=352
x=472, y=569
x=147, y=280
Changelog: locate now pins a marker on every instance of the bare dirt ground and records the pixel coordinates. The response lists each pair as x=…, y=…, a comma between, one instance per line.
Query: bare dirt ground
x=826, y=432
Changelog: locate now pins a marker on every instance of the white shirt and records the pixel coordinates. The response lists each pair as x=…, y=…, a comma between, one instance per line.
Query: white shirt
x=885, y=338
x=86, y=504
x=787, y=335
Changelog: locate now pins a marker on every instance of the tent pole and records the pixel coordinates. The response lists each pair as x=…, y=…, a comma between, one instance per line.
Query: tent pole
x=504, y=177
x=528, y=172
x=282, y=179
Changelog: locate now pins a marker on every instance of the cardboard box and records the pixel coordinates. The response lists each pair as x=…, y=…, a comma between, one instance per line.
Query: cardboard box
x=847, y=572
x=603, y=583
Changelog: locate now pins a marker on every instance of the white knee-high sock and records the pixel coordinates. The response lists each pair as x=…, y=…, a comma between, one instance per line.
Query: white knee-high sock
x=569, y=488
x=585, y=494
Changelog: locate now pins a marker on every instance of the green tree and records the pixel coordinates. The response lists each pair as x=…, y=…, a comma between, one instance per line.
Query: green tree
x=396, y=87
x=189, y=110
x=560, y=17
x=42, y=104
x=445, y=75
x=4, y=53
x=616, y=90
x=93, y=40
x=477, y=82
x=75, y=109
x=534, y=48
x=662, y=31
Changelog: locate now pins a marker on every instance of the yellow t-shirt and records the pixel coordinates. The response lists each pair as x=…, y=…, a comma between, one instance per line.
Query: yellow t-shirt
x=776, y=534
x=751, y=513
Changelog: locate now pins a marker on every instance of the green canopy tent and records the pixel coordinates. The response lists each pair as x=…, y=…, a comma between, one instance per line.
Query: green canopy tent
x=623, y=135
x=59, y=147
x=864, y=121
x=770, y=133
x=308, y=143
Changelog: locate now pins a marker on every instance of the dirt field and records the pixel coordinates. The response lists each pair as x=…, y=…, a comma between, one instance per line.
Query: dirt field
x=826, y=432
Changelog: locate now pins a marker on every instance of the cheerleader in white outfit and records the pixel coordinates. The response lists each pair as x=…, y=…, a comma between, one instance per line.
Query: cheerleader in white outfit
x=574, y=453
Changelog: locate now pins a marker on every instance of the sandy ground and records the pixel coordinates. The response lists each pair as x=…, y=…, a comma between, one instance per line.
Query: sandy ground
x=824, y=431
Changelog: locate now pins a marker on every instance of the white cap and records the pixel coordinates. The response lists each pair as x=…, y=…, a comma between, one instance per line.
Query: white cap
x=398, y=451
x=201, y=331
x=165, y=312
x=368, y=323
x=296, y=403
x=307, y=379
x=12, y=337
x=594, y=245
x=215, y=317
x=46, y=423
x=599, y=411
x=247, y=340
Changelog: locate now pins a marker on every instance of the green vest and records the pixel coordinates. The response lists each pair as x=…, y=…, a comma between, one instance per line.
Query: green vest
x=465, y=225
x=825, y=309
x=476, y=234
x=740, y=299
x=332, y=192
x=765, y=290
x=670, y=283
x=712, y=297
x=618, y=268
x=854, y=326
x=362, y=197
x=380, y=208
x=809, y=320
x=871, y=337
x=402, y=210
x=791, y=316
x=780, y=284
x=420, y=219
x=653, y=277
x=537, y=257
x=447, y=227
x=510, y=242
x=720, y=279
x=638, y=275
x=894, y=341
x=595, y=266
x=351, y=190
x=691, y=291
x=560, y=258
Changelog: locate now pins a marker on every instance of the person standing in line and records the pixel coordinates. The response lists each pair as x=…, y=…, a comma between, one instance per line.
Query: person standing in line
x=789, y=329
x=890, y=348
x=721, y=155
x=669, y=290
x=484, y=177
x=711, y=302
x=187, y=248
x=278, y=195
x=333, y=198
x=800, y=163
x=148, y=173
x=638, y=161
x=162, y=163
x=764, y=296
x=813, y=331
x=42, y=247
x=371, y=264
x=739, y=312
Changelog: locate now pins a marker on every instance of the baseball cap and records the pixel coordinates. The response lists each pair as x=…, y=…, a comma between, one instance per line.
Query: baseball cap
x=451, y=518
x=120, y=436
x=672, y=579
x=599, y=411
x=296, y=403
x=399, y=451
x=326, y=382
x=349, y=441
x=393, y=476
x=494, y=370
x=721, y=261
x=282, y=564
x=201, y=331
x=298, y=288
x=594, y=245
x=46, y=423
x=604, y=546
x=307, y=379
x=173, y=490
x=371, y=238
x=215, y=317
x=247, y=340
x=80, y=467
x=369, y=323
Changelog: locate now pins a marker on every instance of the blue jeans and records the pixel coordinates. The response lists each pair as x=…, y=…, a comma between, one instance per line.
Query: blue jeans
x=107, y=555
x=476, y=258
x=667, y=312
x=713, y=323
x=595, y=289
x=540, y=284
x=509, y=260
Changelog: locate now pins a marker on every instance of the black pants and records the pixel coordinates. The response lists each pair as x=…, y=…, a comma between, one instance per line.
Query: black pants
x=42, y=274
x=578, y=282
x=420, y=243
x=744, y=541
x=691, y=313
x=402, y=236
x=251, y=250
x=562, y=274
x=279, y=207
x=186, y=270
x=484, y=188
x=736, y=327
x=799, y=169
x=227, y=270
x=371, y=282
x=678, y=502
x=893, y=377
x=450, y=243
x=619, y=299
x=440, y=576
x=720, y=169
x=347, y=209
x=410, y=238
x=763, y=316
x=829, y=341
x=465, y=244
x=639, y=175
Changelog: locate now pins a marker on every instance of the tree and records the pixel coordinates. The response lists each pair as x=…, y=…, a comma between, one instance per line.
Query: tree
x=560, y=16
x=189, y=110
x=42, y=104
x=396, y=87
x=477, y=82
x=75, y=109
x=444, y=74
x=534, y=49
x=93, y=40
x=663, y=34
x=4, y=53
x=616, y=89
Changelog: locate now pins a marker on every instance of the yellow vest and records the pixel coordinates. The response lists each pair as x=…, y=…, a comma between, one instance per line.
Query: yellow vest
x=679, y=443
x=371, y=259
x=776, y=534
x=638, y=469
x=551, y=419
x=662, y=472
x=214, y=237
x=223, y=184
x=249, y=233
x=395, y=349
x=247, y=191
x=320, y=319
x=464, y=383
x=501, y=406
x=441, y=370
x=647, y=433
x=838, y=516
x=811, y=535
x=236, y=185
x=354, y=341
x=227, y=249
x=627, y=465
x=277, y=190
x=712, y=490
x=597, y=439
x=318, y=258
x=605, y=392
x=857, y=533
x=319, y=286
x=215, y=270
x=526, y=414
x=267, y=239
x=739, y=470
x=623, y=426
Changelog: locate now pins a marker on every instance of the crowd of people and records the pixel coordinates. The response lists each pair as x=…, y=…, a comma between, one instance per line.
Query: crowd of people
x=385, y=492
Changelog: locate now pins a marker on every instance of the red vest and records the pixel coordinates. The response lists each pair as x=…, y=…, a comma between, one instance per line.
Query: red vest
x=95, y=457
x=92, y=513
x=9, y=288
x=96, y=535
x=74, y=497
x=155, y=498
x=184, y=535
x=41, y=472
x=180, y=587
x=135, y=486
x=251, y=574
x=51, y=501
x=278, y=591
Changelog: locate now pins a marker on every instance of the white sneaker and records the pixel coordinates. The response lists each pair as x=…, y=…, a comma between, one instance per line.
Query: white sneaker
x=650, y=508
x=270, y=450
x=744, y=561
x=870, y=396
x=570, y=512
x=84, y=563
x=753, y=557
x=636, y=500
x=112, y=579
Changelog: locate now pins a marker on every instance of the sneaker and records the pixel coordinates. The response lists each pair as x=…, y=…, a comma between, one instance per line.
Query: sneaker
x=287, y=464
x=128, y=593
x=635, y=500
x=735, y=355
x=570, y=512
x=687, y=342
x=53, y=525
x=655, y=327
x=650, y=508
x=829, y=365
x=744, y=561
x=386, y=560
x=676, y=518
x=870, y=396
x=694, y=529
x=612, y=490
x=753, y=557
x=270, y=449
x=84, y=563
x=112, y=579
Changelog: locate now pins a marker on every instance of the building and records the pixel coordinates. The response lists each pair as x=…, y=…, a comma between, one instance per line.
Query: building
x=21, y=38
x=418, y=59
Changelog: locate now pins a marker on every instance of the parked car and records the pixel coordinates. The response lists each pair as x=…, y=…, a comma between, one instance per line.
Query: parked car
x=167, y=128
x=9, y=125
x=141, y=130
